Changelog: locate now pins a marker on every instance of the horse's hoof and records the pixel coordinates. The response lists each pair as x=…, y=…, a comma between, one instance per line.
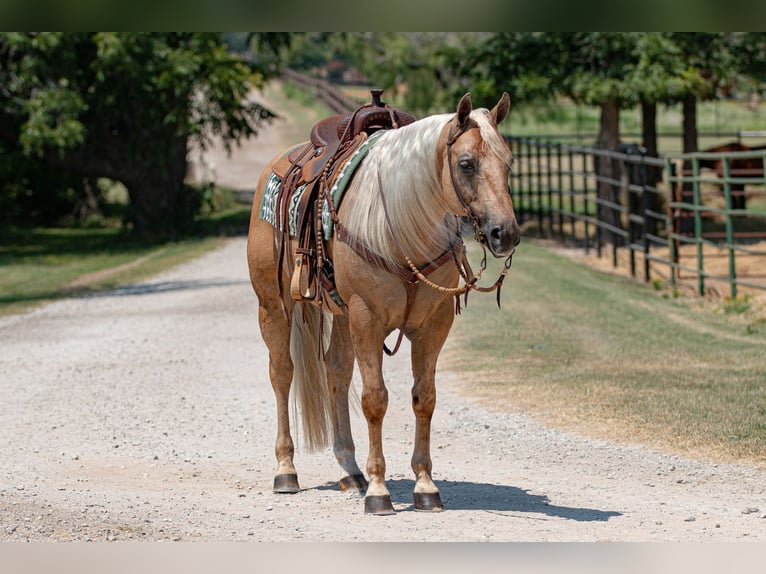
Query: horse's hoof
x=355, y=483
x=427, y=502
x=379, y=505
x=286, y=484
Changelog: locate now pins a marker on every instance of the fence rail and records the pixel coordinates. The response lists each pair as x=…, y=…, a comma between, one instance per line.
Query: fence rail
x=695, y=220
x=323, y=90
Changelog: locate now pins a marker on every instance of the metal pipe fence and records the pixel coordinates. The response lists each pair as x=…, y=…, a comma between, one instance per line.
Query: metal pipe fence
x=692, y=220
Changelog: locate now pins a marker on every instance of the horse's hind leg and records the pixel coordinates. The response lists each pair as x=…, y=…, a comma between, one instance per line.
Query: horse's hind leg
x=275, y=330
x=426, y=345
x=340, y=368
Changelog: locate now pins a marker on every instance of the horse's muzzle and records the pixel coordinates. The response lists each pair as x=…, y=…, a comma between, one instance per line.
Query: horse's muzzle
x=503, y=239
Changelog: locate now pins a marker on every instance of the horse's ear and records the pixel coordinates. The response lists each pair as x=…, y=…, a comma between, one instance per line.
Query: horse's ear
x=464, y=108
x=500, y=111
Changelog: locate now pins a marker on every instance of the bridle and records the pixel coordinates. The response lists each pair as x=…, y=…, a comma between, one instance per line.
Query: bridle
x=411, y=274
x=463, y=267
x=452, y=137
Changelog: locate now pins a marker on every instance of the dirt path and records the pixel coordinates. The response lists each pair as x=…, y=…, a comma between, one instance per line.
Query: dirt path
x=146, y=413
x=241, y=168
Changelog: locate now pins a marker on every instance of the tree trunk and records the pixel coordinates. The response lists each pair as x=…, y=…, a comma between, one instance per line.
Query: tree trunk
x=690, y=140
x=160, y=203
x=649, y=128
x=89, y=205
x=609, y=139
x=651, y=174
x=690, y=123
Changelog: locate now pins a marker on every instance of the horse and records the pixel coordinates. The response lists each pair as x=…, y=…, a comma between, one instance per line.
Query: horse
x=398, y=258
x=738, y=167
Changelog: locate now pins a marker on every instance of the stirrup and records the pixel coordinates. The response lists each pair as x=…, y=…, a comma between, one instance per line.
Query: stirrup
x=300, y=284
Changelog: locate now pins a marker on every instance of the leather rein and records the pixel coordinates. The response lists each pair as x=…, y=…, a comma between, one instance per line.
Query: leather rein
x=463, y=266
x=411, y=275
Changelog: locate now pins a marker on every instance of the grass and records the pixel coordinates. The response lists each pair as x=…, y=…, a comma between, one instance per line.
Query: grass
x=44, y=264
x=41, y=265
x=612, y=358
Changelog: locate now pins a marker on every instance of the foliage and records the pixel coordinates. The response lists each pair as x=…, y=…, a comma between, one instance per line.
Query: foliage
x=515, y=62
x=122, y=106
x=416, y=69
x=592, y=67
x=406, y=63
x=597, y=65
x=737, y=305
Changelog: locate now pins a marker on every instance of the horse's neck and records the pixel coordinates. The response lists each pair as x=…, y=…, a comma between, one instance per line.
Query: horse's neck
x=412, y=202
x=394, y=204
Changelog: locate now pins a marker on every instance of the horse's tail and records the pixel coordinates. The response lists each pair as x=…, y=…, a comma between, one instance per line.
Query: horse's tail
x=311, y=391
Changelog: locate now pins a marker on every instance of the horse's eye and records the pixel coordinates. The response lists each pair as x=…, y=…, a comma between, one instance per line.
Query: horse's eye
x=467, y=165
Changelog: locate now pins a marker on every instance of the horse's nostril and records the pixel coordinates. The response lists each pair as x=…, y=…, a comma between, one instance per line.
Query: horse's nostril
x=495, y=233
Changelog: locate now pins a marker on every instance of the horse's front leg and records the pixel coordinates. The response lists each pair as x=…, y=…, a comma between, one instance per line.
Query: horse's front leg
x=426, y=345
x=367, y=335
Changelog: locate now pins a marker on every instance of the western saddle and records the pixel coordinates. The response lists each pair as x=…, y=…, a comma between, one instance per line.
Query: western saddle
x=315, y=165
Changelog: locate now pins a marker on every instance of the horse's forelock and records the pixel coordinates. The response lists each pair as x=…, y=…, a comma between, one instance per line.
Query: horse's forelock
x=493, y=141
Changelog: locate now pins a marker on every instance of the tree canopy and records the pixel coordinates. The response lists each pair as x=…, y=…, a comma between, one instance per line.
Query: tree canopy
x=75, y=107
x=123, y=106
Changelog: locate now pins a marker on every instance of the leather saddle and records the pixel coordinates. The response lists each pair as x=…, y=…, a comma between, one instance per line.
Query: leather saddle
x=331, y=142
x=337, y=132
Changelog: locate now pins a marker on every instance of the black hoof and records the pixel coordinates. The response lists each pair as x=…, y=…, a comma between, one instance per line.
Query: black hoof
x=427, y=502
x=355, y=483
x=378, y=505
x=286, y=484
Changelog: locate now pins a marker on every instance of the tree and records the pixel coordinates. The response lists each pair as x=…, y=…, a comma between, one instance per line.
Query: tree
x=709, y=65
x=413, y=67
x=597, y=67
x=125, y=106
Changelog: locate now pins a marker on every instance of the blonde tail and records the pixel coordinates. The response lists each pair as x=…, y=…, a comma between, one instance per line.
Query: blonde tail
x=311, y=393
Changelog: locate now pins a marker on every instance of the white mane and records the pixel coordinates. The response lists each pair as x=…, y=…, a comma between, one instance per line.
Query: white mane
x=403, y=162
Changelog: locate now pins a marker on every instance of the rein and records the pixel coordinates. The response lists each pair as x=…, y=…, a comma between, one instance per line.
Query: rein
x=463, y=266
x=411, y=274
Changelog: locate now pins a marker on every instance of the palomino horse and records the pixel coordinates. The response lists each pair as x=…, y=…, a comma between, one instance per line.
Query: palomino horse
x=400, y=217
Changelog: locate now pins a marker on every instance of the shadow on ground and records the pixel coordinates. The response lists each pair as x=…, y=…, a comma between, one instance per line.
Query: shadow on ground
x=164, y=287
x=460, y=495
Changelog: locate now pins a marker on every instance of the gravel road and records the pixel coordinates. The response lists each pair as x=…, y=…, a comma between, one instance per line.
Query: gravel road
x=145, y=413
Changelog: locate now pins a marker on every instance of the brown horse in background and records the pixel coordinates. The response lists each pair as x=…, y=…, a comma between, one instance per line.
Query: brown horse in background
x=398, y=257
x=738, y=167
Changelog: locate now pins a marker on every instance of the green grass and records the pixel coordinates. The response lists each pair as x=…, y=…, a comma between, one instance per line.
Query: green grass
x=44, y=264
x=610, y=357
